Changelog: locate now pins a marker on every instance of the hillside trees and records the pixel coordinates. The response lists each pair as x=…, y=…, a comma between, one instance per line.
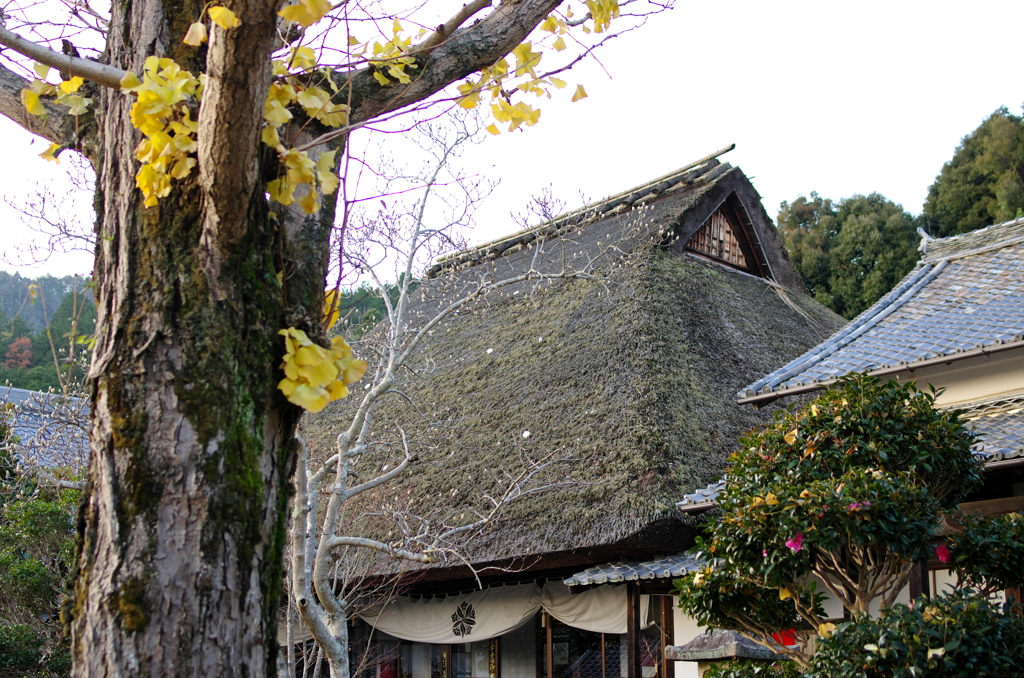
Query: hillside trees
x=225, y=244
x=56, y=356
x=983, y=183
x=849, y=253
x=847, y=495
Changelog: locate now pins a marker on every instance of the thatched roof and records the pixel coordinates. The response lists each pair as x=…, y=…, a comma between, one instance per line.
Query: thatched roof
x=631, y=376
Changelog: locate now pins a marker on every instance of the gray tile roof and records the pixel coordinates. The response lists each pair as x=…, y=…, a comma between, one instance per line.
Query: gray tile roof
x=999, y=423
x=702, y=498
x=614, y=573
x=718, y=645
x=965, y=296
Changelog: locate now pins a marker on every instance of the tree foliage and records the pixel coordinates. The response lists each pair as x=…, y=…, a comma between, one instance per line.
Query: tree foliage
x=36, y=556
x=849, y=492
x=960, y=635
x=849, y=253
x=983, y=183
x=845, y=493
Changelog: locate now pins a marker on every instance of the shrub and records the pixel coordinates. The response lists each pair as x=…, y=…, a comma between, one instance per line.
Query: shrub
x=20, y=646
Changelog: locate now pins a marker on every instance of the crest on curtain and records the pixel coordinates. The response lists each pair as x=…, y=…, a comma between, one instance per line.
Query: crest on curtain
x=463, y=620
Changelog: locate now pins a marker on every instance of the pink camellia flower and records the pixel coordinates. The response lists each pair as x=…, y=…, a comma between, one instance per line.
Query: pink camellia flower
x=944, y=553
x=796, y=543
x=764, y=553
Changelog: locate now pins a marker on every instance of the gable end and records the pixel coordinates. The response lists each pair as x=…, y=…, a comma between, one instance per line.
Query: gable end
x=725, y=236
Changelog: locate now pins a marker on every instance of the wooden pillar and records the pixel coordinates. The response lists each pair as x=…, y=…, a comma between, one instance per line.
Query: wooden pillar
x=668, y=634
x=633, y=669
x=549, y=649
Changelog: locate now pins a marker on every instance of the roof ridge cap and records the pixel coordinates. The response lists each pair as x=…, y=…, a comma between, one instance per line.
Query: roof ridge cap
x=580, y=215
x=950, y=241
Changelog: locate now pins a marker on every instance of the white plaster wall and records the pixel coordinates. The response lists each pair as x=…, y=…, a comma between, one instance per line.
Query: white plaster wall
x=974, y=378
x=685, y=630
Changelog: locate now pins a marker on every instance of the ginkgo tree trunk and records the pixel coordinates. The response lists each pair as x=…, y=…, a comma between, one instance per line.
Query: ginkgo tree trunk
x=214, y=209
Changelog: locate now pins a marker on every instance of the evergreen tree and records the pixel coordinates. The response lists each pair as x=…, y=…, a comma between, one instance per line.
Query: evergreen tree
x=849, y=253
x=983, y=183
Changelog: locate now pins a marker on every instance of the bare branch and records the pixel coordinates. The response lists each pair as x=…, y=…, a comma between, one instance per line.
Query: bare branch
x=445, y=30
x=101, y=74
x=335, y=542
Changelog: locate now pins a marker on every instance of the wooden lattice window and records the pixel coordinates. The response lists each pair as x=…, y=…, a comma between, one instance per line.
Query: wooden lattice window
x=716, y=238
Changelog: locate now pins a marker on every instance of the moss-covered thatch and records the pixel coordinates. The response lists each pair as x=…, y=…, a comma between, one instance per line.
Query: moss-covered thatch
x=629, y=378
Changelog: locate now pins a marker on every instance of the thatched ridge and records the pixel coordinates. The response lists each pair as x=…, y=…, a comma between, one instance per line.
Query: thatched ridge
x=630, y=376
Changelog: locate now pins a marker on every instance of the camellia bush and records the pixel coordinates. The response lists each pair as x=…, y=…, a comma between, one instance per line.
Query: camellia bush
x=845, y=496
x=959, y=635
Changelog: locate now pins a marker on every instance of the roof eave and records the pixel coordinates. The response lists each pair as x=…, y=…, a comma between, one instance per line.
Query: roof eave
x=762, y=399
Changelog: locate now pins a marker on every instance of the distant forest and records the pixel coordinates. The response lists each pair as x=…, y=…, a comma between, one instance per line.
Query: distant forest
x=26, y=357
x=852, y=251
x=29, y=354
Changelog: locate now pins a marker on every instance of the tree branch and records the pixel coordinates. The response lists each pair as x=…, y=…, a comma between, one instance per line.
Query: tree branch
x=403, y=554
x=102, y=74
x=49, y=127
x=445, y=30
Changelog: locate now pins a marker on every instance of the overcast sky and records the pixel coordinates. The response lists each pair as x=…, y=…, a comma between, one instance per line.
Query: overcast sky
x=838, y=98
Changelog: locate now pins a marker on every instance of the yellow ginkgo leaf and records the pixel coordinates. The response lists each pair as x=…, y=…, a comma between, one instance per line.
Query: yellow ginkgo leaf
x=332, y=307
x=579, y=94
x=558, y=83
x=791, y=436
x=493, y=129
x=310, y=398
x=310, y=355
x=308, y=202
x=30, y=100
x=183, y=167
x=130, y=82
x=381, y=78
x=771, y=499
x=49, y=153
x=223, y=17
x=785, y=593
x=196, y=34
x=41, y=70
x=526, y=59
x=337, y=390
x=321, y=374
x=306, y=12
x=270, y=137
x=72, y=85
x=76, y=103
x=559, y=44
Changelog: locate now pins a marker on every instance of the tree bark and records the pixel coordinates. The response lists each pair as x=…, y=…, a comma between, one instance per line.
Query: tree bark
x=182, y=527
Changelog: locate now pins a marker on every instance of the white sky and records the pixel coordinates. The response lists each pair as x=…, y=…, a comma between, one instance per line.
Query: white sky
x=838, y=98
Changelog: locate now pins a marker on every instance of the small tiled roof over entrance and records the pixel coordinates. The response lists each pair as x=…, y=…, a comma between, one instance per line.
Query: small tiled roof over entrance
x=670, y=567
x=999, y=424
x=964, y=298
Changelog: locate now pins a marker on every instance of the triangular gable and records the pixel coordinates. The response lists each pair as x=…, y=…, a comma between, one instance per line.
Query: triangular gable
x=716, y=238
x=724, y=238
